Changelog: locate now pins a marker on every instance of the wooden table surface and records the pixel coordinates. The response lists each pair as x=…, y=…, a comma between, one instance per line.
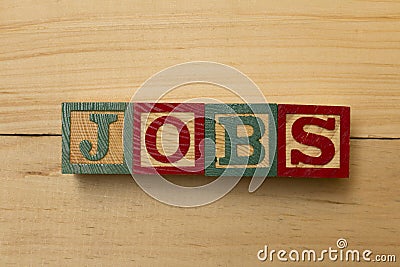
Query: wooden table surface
x=312, y=52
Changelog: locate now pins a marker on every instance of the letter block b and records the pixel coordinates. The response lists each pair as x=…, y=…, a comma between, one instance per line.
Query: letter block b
x=313, y=141
x=240, y=140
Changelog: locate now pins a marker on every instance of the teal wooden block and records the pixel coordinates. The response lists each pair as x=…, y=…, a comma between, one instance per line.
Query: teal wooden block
x=92, y=138
x=241, y=140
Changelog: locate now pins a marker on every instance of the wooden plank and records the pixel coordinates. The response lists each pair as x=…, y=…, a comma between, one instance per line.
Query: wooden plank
x=92, y=138
x=313, y=141
x=168, y=138
x=319, y=52
x=304, y=52
x=243, y=139
x=50, y=218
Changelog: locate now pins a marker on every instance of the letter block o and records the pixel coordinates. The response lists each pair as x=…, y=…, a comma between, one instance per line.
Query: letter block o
x=168, y=138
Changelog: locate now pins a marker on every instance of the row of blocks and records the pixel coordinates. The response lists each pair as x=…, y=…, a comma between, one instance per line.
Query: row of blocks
x=212, y=139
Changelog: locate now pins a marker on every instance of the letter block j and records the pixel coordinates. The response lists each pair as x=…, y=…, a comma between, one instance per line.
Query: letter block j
x=313, y=141
x=92, y=138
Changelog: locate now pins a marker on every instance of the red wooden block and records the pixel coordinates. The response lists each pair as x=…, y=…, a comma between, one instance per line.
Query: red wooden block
x=313, y=141
x=168, y=138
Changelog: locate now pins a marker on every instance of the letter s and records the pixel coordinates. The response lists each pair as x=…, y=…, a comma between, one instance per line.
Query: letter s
x=323, y=143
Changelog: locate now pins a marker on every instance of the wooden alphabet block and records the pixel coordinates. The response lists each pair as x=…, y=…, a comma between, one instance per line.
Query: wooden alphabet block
x=92, y=138
x=313, y=141
x=168, y=138
x=243, y=139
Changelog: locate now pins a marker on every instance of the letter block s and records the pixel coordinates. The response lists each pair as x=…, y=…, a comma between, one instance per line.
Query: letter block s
x=313, y=141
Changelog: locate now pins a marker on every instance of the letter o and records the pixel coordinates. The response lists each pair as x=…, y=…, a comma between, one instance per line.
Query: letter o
x=151, y=139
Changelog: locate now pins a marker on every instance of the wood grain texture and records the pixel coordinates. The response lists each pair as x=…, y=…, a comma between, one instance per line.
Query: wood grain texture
x=313, y=141
x=92, y=134
x=239, y=147
x=344, y=52
x=333, y=135
x=309, y=52
x=49, y=218
x=84, y=129
x=168, y=138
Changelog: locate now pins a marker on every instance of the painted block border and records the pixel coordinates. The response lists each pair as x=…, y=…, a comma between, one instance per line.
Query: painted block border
x=210, y=159
x=72, y=168
x=343, y=112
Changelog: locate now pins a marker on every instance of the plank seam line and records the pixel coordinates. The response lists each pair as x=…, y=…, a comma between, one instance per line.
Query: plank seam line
x=375, y=138
x=352, y=138
x=31, y=135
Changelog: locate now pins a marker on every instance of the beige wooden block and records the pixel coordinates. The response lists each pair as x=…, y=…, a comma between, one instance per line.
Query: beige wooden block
x=167, y=139
x=84, y=129
x=243, y=150
x=291, y=143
